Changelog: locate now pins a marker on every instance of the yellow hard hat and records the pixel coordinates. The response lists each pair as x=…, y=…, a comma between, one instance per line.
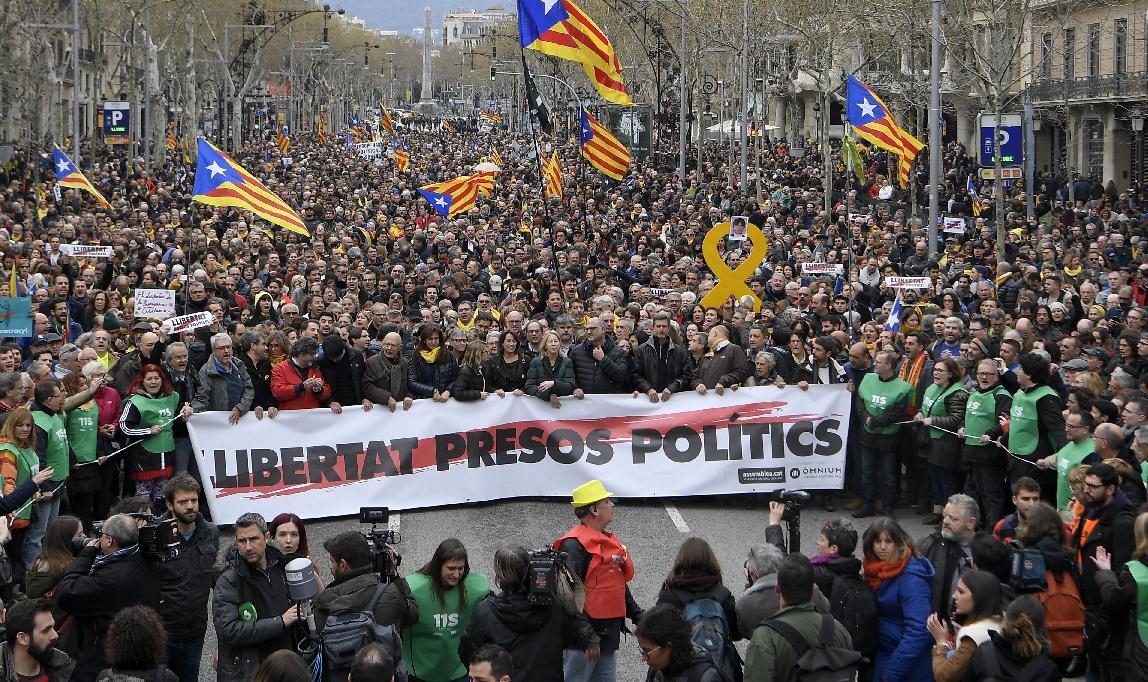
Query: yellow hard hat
x=589, y=493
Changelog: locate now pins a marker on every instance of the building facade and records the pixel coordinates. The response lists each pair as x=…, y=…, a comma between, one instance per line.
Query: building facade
x=469, y=28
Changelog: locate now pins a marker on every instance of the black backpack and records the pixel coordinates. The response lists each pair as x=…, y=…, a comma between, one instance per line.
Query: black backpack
x=820, y=662
x=344, y=634
x=853, y=603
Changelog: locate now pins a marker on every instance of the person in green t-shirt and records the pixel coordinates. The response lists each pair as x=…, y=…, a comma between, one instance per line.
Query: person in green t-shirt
x=881, y=404
x=148, y=414
x=446, y=593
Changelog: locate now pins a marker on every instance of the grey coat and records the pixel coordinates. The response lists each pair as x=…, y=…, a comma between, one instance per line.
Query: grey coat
x=211, y=394
x=384, y=380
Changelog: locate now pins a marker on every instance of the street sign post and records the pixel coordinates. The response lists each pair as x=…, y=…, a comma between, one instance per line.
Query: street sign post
x=1011, y=139
x=117, y=122
x=1007, y=173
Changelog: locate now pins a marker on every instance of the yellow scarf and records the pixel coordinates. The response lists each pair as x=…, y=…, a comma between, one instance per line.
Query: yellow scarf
x=430, y=355
x=1073, y=272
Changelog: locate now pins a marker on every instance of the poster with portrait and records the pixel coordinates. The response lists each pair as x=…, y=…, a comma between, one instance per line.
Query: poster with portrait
x=739, y=228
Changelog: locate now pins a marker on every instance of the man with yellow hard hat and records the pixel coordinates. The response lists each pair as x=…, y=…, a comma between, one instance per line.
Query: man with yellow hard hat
x=596, y=556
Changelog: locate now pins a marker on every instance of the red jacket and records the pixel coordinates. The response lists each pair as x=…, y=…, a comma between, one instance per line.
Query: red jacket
x=287, y=386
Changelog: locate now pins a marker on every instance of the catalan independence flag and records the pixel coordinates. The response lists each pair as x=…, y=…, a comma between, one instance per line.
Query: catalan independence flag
x=874, y=122
x=602, y=149
x=220, y=181
x=402, y=157
x=446, y=126
x=490, y=116
x=321, y=130
x=458, y=195
x=282, y=139
x=67, y=175
x=552, y=171
x=495, y=157
x=561, y=29
x=385, y=120
x=172, y=144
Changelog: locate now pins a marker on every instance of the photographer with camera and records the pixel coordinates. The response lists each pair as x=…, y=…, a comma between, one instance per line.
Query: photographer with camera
x=534, y=631
x=109, y=574
x=358, y=588
x=253, y=613
x=186, y=579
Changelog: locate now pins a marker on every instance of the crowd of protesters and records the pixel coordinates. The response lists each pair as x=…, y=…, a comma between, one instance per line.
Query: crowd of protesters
x=1005, y=403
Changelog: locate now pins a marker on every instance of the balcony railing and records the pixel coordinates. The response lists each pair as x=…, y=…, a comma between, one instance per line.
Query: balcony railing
x=1091, y=87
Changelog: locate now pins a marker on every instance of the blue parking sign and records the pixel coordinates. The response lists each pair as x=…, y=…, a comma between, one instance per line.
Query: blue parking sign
x=1011, y=139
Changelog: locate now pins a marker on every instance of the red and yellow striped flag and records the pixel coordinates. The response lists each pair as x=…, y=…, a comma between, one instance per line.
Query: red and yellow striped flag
x=552, y=171
x=602, y=149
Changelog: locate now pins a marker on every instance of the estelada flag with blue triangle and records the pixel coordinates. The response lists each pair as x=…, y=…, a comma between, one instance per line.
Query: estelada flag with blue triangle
x=893, y=324
x=456, y=196
x=68, y=175
x=561, y=29
x=220, y=181
x=402, y=156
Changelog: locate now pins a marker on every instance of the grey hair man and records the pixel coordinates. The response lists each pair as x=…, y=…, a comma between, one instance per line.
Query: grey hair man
x=949, y=548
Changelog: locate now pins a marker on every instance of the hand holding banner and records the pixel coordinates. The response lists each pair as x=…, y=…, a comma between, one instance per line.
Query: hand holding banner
x=186, y=323
x=87, y=250
x=151, y=303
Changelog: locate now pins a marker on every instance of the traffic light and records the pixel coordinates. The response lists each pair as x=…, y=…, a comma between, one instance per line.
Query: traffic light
x=493, y=72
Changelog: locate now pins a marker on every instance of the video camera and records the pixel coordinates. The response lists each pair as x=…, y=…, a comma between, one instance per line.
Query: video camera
x=792, y=499
x=384, y=559
x=158, y=540
x=542, y=575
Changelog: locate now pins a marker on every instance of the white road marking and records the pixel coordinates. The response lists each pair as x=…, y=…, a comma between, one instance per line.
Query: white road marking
x=676, y=517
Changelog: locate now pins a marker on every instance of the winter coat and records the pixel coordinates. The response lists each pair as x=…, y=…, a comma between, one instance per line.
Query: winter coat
x=727, y=367
x=692, y=586
x=824, y=574
x=244, y=643
x=469, y=385
x=1113, y=532
x=1119, y=591
x=661, y=367
x=94, y=597
x=904, y=645
x=345, y=376
x=561, y=373
x=287, y=386
x=611, y=374
x=425, y=379
x=384, y=379
x=158, y=674
x=1011, y=664
x=211, y=393
x=56, y=663
x=946, y=450
x=506, y=377
x=353, y=592
x=946, y=558
x=771, y=658
x=535, y=635
x=185, y=588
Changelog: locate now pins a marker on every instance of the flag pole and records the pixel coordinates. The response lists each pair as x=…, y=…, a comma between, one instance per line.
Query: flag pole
x=538, y=157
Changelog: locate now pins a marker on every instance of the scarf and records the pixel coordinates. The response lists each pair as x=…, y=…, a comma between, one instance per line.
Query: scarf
x=820, y=559
x=877, y=570
x=431, y=356
x=108, y=558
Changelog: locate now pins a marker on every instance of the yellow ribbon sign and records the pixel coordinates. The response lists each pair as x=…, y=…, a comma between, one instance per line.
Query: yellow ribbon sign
x=731, y=282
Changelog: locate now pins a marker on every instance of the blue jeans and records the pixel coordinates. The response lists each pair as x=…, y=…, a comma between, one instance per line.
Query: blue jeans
x=42, y=515
x=183, y=658
x=577, y=668
x=878, y=475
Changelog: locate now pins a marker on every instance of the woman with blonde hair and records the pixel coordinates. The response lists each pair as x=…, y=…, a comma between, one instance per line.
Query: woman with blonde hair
x=470, y=385
x=551, y=374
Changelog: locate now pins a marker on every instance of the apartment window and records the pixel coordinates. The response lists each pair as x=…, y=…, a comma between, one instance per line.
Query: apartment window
x=1093, y=50
x=1046, y=57
x=1120, y=46
x=1069, y=53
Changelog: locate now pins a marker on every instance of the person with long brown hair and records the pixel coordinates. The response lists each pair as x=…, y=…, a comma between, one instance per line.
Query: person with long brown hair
x=903, y=583
x=1018, y=650
x=148, y=415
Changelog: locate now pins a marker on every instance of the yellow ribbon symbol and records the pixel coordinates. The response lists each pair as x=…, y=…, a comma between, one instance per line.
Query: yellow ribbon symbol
x=731, y=282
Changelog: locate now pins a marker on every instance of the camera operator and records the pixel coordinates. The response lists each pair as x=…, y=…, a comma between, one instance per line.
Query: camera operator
x=354, y=585
x=534, y=633
x=186, y=579
x=253, y=614
x=109, y=574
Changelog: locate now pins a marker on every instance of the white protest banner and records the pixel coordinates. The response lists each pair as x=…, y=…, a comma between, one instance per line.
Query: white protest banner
x=318, y=464
x=186, y=323
x=858, y=217
x=154, y=303
x=87, y=250
x=954, y=225
x=817, y=269
x=368, y=150
x=908, y=282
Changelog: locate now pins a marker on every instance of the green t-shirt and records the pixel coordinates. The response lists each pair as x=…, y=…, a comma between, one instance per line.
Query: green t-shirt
x=155, y=411
x=27, y=466
x=431, y=646
x=881, y=396
x=83, y=429
x=1024, y=427
x=56, y=454
x=980, y=414
x=1068, y=458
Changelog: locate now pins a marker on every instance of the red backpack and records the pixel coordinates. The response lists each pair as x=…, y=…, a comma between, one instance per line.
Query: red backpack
x=1063, y=615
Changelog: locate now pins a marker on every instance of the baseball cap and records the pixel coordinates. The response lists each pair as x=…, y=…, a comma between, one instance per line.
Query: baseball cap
x=1076, y=365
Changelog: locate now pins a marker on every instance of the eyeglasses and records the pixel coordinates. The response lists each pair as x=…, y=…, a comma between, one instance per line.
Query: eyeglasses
x=646, y=652
x=1093, y=486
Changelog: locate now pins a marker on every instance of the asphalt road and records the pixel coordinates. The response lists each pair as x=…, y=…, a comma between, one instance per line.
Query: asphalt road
x=651, y=529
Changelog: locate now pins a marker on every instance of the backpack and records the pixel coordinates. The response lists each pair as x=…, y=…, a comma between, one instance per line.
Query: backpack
x=709, y=628
x=1028, y=574
x=344, y=634
x=854, y=604
x=820, y=662
x=1063, y=615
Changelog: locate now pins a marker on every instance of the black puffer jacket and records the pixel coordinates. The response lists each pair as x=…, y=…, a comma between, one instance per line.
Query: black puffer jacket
x=470, y=384
x=609, y=375
x=186, y=582
x=661, y=366
x=424, y=379
x=508, y=377
x=692, y=586
x=945, y=451
x=535, y=635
